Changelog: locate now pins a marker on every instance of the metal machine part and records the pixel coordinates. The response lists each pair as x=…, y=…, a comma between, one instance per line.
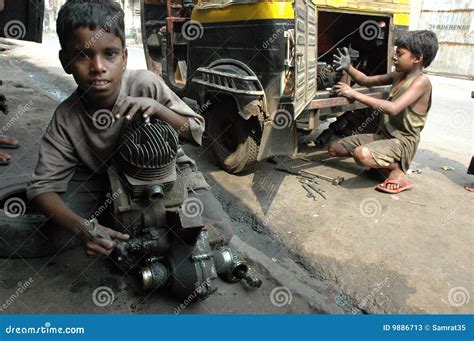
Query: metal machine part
x=327, y=75
x=335, y=181
x=148, y=151
x=231, y=268
x=148, y=158
x=168, y=246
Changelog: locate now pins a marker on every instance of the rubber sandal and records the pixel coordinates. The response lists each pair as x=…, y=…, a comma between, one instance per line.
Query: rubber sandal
x=382, y=187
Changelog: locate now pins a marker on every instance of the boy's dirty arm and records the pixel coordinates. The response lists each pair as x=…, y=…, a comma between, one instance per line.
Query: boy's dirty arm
x=53, y=206
x=417, y=89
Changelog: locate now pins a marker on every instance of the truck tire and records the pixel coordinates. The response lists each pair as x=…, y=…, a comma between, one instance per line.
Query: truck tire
x=24, y=232
x=234, y=140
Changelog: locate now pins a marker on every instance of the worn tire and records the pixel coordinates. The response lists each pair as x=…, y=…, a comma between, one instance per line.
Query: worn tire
x=28, y=234
x=235, y=141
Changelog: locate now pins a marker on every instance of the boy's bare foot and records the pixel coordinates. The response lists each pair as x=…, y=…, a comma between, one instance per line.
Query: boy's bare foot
x=4, y=159
x=395, y=182
x=395, y=186
x=395, y=174
x=469, y=188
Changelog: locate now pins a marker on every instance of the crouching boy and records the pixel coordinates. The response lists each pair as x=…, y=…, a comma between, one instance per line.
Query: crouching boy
x=405, y=111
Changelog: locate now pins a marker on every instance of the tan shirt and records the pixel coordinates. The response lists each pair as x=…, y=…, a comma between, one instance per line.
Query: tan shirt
x=72, y=140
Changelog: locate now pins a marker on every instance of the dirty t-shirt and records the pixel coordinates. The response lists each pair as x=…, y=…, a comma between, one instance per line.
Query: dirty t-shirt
x=75, y=139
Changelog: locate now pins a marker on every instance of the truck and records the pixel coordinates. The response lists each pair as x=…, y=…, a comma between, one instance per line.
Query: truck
x=261, y=72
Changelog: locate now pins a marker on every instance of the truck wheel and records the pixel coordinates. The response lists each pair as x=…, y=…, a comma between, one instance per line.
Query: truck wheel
x=234, y=140
x=24, y=232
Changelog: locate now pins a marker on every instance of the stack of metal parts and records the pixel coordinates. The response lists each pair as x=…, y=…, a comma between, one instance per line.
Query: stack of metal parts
x=148, y=157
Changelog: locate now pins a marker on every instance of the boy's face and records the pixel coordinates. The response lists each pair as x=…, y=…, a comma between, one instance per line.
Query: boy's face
x=405, y=61
x=97, y=61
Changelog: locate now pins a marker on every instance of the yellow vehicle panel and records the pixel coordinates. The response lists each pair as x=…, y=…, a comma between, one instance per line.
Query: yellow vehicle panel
x=284, y=10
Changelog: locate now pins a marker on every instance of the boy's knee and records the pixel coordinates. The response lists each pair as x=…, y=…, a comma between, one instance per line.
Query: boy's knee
x=362, y=154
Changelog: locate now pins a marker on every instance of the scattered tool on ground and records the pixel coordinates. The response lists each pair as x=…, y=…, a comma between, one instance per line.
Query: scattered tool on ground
x=310, y=193
x=312, y=185
x=335, y=181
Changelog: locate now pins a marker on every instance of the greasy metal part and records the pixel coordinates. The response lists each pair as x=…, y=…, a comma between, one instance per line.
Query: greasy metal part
x=196, y=268
x=335, y=181
x=327, y=76
x=148, y=151
x=302, y=178
x=154, y=192
x=230, y=76
x=317, y=190
x=154, y=275
x=231, y=268
x=312, y=185
x=310, y=193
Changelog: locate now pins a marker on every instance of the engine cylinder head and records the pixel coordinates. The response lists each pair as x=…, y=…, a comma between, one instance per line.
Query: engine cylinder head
x=148, y=151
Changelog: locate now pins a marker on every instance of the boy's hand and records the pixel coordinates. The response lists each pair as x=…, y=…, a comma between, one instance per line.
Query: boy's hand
x=101, y=240
x=132, y=105
x=343, y=60
x=344, y=90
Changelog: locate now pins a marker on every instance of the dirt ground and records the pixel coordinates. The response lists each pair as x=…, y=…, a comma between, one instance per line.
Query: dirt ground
x=359, y=250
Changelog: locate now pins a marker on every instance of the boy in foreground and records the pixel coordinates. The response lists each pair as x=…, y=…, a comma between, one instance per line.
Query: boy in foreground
x=405, y=111
x=76, y=149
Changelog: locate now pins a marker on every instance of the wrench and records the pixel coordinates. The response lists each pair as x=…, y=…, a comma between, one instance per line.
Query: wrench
x=310, y=193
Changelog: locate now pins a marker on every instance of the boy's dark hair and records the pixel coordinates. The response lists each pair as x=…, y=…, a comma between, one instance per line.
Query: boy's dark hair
x=104, y=14
x=419, y=43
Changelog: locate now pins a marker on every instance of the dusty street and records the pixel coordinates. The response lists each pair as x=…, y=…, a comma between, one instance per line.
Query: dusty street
x=359, y=251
